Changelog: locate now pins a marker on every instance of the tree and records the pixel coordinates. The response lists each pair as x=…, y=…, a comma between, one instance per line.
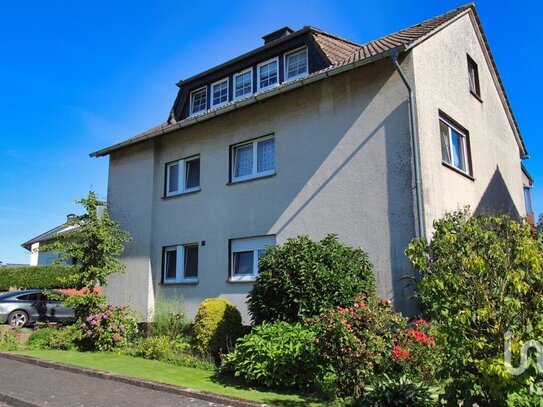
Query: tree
x=482, y=280
x=95, y=241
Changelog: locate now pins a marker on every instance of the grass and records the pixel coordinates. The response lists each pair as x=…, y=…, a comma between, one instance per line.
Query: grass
x=179, y=376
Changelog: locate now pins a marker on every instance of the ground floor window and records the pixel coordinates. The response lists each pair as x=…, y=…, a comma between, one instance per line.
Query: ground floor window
x=181, y=264
x=244, y=255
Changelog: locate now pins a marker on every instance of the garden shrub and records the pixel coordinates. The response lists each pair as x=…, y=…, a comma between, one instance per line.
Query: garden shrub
x=401, y=392
x=169, y=319
x=110, y=328
x=482, y=276
x=39, y=338
x=217, y=326
x=154, y=347
x=368, y=339
x=303, y=278
x=37, y=277
x=277, y=354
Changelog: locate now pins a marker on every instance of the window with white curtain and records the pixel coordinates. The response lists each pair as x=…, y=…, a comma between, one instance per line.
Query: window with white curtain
x=253, y=159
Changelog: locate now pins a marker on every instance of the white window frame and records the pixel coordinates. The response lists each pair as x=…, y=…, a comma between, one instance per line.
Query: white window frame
x=192, y=113
x=211, y=97
x=234, y=97
x=465, y=140
x=179, y=264
x=254, y=173
x=269, y=61
x=181, y=177
x=254, y=244
x=285, y=63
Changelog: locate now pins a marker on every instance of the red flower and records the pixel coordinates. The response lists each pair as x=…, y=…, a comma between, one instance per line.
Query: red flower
x=421, y=322
x=399, y=353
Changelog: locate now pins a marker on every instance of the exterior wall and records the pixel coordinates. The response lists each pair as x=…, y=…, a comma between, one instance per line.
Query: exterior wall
x=441, y=82
x=38, y=258
x=343, y=162
x=130, y=200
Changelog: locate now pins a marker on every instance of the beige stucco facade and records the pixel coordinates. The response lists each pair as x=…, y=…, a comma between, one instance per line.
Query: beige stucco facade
x=343, y=165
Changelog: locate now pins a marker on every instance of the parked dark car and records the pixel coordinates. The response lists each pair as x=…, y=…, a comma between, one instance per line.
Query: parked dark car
x=20, y=308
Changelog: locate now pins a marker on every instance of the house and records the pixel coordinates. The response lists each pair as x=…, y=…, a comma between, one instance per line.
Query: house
x=42, y=258
x=314, y=134
x=528, y=184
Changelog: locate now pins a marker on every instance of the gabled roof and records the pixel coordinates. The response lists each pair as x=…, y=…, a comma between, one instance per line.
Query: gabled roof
x=343, y=55
x=50, y=234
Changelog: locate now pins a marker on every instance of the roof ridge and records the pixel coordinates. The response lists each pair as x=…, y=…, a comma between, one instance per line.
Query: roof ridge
x=337, y=37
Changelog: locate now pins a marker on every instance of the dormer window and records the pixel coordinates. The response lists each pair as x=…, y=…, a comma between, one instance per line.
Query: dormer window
x=219, y=93
x=296, y=64
x=243, y=83
x=268, y=74
x=198, y=101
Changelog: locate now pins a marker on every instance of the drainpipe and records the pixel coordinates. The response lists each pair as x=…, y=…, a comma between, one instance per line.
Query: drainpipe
x=414, y=141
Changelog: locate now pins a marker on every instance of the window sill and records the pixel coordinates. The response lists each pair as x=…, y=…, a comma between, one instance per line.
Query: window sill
x=476, y=96
x=187, y=282
x=234, y=281
x=452, y=167
x=192, y=191
x=241, y=181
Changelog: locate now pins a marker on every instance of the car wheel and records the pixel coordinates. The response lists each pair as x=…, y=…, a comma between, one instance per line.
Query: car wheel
x=18, y=319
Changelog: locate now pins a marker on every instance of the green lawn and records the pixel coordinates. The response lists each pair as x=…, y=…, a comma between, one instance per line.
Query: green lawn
x=166, y=373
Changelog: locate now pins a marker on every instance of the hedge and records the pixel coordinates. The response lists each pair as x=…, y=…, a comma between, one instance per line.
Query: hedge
x=52, y=276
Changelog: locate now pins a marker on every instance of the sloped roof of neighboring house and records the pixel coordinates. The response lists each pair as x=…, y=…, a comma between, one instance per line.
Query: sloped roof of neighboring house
x=343, y=55
x=49, y=235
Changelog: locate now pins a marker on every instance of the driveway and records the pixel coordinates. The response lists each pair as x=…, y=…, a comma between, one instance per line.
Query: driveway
x=33, y=385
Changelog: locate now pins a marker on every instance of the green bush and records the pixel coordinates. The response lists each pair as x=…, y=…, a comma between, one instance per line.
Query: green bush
x=277, y=355
x=369, y=339
x=400, y=392
x=481, y=277
x=303, y=278
x=62, y=338
x=38, y=277
x=154, y=347
x=217, y=326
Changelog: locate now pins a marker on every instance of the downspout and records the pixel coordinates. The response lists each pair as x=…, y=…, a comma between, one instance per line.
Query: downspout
x=414, y=141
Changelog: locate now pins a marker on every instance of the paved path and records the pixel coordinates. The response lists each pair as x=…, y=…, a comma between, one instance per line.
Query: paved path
x=43, y=386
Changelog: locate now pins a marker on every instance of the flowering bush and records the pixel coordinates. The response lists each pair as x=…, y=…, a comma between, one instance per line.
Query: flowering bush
x=369, y=339
x=110, y=328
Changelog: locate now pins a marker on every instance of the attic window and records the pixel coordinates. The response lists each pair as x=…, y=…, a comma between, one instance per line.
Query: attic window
x=198, y=100
x=243, y=83
x=268, y=74
x=473, y=73
x=296, y=64
x=219, y=93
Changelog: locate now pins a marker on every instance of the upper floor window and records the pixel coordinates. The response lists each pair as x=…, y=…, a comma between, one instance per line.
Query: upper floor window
x=454, y=145
x=473, y=73
x=183, y=176
x=253, y=159
x=268, y=74
x=243, y=83
x=219, y=92
x=528, y=200
x=181, y=264
x=245, y=254
x=296, y=64
x=198, y=100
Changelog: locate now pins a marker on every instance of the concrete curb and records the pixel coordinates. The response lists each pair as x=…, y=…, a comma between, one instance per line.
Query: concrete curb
x=181, y=391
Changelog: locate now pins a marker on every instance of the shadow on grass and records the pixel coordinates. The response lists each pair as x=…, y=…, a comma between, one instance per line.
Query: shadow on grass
x=239, y=384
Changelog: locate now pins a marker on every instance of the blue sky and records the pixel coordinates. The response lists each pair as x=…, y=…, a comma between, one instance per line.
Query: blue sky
x=78, y=76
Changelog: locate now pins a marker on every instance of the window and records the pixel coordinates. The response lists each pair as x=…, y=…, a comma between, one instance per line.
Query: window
x=245, y=254
x=268, y=74
x=198, y=100
x=454, y=145
x=243, y=83
x=473, y=73
x=219, y=93
x=296, y=64
x=253, y=159
x=183, y=176
x=528, y=200
x=181, y=264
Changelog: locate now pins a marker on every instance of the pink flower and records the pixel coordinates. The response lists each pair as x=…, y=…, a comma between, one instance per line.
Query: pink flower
x=117, y=337
x=356, y=305
x=421, y=322
x=94, y=322
x=317, y=340
x=82, y=326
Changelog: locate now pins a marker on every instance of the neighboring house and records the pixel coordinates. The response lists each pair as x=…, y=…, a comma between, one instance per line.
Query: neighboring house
x=39, y=258
x=314, y=134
